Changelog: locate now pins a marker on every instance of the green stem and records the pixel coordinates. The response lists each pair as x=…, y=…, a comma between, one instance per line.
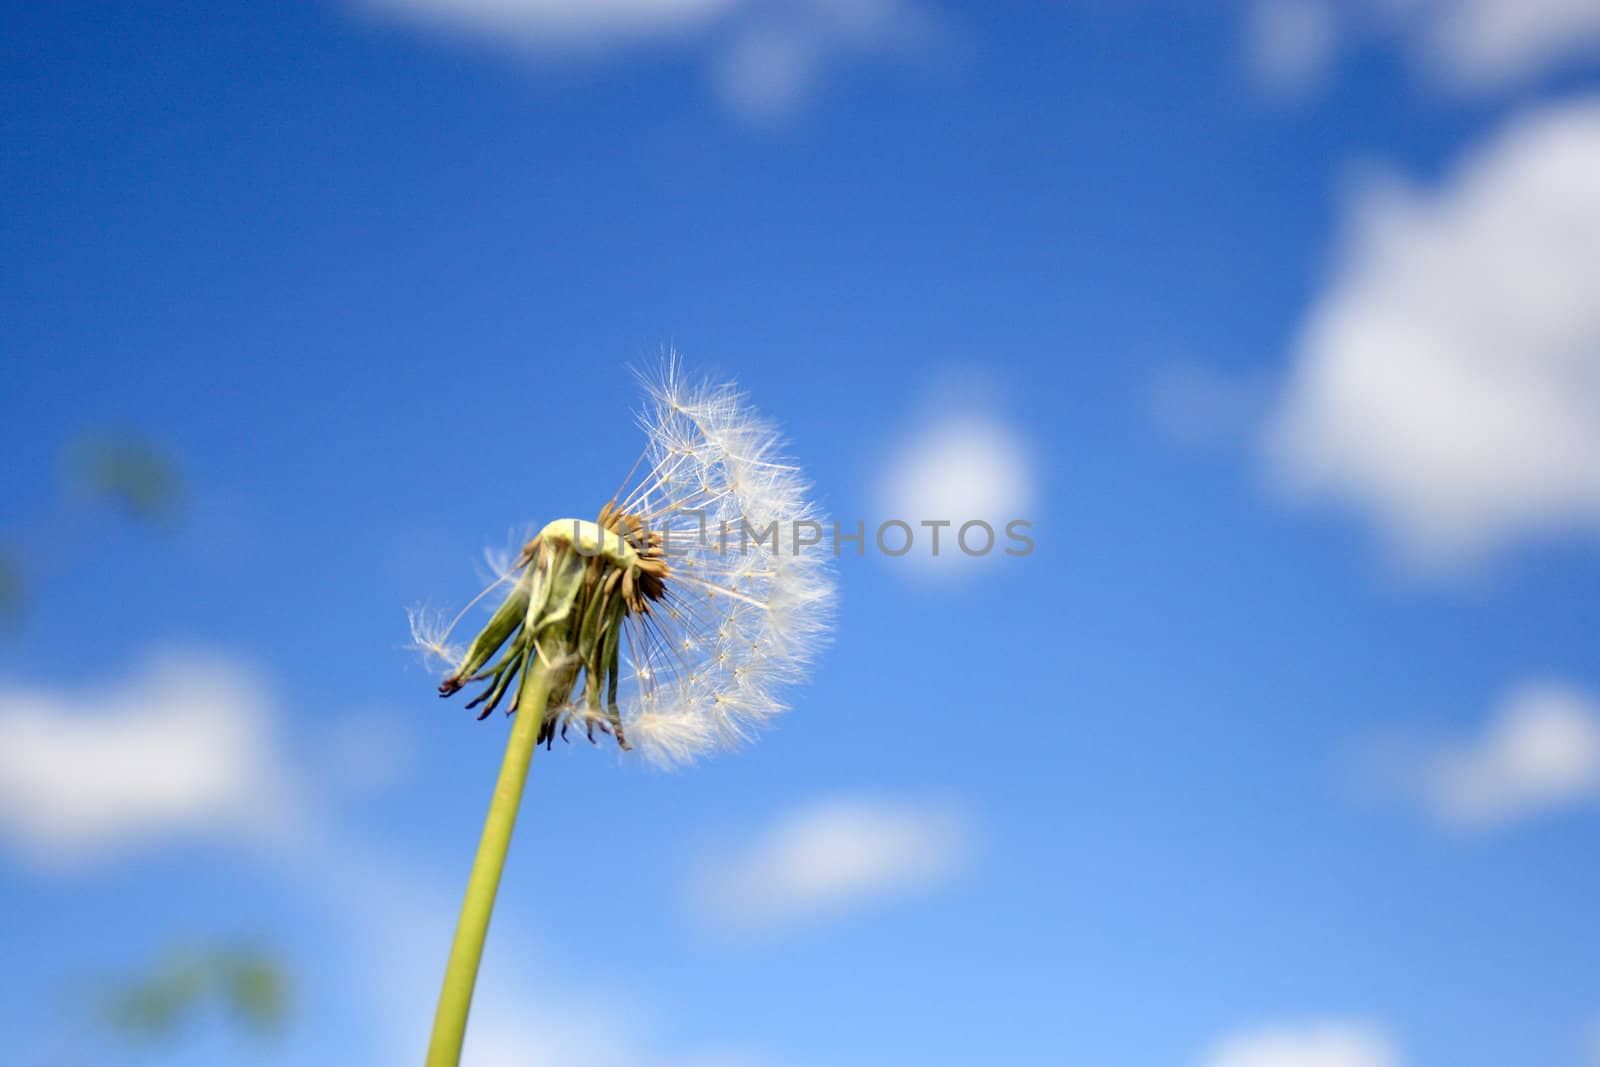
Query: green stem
x=455, y=999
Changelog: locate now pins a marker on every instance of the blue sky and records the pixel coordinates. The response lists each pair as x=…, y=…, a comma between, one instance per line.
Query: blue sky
x=1275, y=320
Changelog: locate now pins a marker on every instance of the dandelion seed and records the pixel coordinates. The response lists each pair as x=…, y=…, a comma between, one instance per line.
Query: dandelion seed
x=430, y=632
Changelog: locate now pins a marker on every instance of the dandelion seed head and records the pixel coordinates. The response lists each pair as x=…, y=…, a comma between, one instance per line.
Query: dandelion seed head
x=725, y=606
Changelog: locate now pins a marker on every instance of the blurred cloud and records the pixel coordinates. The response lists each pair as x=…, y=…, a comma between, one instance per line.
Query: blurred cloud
x=555, y=24
x=830, y=857
x=1539, y=753
x=593, y=1031
x=1312, y=1044
x=1460, y=46
x=776, y=60
x=956, y=465
x=400, y=920
x=1447, y=382
x=506, y=1033
x=1289, y=44
x=183, y=746
x=1477, y=45
x=765, y=58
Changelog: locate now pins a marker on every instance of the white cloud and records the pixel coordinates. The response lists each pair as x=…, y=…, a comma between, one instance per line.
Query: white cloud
x=957, y=466
x=527, y=1011
x=1447, y=382
x=519, y=1022
x=830, y=857
x=556, y=23
x=1289, y=44
x=774, y=62
x=1460, y=46
x=1477, y=45
x=765, y=58
x=401, y=919
x=1539, y=753
x=515, y=1023
x=184, y=746
x=1314, y=1044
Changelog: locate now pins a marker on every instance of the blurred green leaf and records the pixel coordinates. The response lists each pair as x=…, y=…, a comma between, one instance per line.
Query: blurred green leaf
x=159, y=1003
x=250, y=985
x=13, y=590
x=258, y=993
x=129, y=472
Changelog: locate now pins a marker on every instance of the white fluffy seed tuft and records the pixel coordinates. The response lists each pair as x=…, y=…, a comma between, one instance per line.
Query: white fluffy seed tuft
x=746, y=612
x=747, y=601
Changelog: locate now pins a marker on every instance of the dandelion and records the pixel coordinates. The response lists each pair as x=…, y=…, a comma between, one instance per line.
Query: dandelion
x=670, y=622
